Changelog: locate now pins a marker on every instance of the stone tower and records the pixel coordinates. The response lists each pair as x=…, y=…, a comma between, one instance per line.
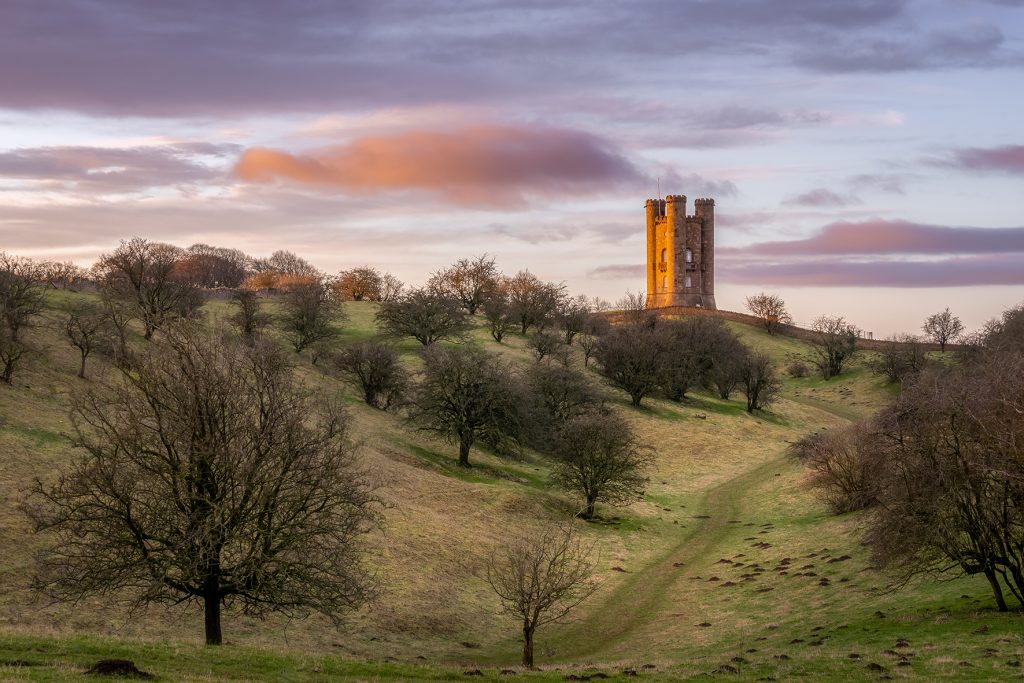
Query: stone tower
x=680, y=253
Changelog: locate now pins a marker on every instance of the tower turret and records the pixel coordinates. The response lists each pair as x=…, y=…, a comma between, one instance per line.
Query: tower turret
x=680, y=253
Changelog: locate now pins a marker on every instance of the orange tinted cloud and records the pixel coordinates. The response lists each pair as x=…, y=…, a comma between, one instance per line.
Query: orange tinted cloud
x=487, y=165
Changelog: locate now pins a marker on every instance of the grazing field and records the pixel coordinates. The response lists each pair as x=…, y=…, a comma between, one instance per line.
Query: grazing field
x=727, y=565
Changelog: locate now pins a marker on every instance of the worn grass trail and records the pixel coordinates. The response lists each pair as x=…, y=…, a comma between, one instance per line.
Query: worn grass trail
x=619, y=625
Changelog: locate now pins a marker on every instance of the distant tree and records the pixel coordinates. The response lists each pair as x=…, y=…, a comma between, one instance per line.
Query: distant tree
x=770, y=309
x=424, y=315
x=634, y=307
x=85, y=326
x=469, y=281
x=390, y=287
x=598, y=457
x=632, y=358
x=539, y=576
x=572, y=316
x=544, y=345
x=287, y=263
x=466, y=395
x=558, y=393
x=143, y=273
x=208, y=474
x=310, y=314
x=248, y=317
x=899, y=357
x=376, y=370
x=760, y=381
x=727, y=356
x=596, y=325
x=690, y=349
x=943, y=328
x=360, y=284
x=119, y=314
x=532, y=301
x=834, y=342
x=205, y=266
x=499, y=316
x=21, y=300
x=62, y=274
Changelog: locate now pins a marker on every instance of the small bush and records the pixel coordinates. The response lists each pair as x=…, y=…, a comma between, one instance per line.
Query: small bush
x=797, y=369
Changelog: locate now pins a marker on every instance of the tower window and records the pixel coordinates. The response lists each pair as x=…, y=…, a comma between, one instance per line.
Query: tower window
x=664, y=255
x=689, y=282
x=689, y=256
x=664, y=282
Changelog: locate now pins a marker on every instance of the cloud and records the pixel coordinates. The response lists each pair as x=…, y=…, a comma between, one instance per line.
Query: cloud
x=622, y=271
x=993, y=269
x=1004, y=159
x=104, y=169
x=880, y=182
x=822, y=197
x=485, y=165
x=885, y=237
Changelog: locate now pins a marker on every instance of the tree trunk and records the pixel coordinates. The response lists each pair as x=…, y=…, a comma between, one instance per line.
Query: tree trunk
x=465, y=443
x=636, y=398
x=81, y=368
x=211, y=605
x=997, y=590
x=528, y=647
x=589, y=512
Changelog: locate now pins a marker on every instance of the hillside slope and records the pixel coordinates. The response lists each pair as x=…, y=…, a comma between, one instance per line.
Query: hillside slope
x=728, y=560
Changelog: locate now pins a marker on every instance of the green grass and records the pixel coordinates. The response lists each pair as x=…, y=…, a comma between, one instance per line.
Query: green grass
x=721, y=478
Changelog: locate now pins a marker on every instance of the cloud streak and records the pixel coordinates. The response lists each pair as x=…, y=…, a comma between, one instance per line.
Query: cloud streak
x=1003, y=159
x=885, y=237
x=485, y=165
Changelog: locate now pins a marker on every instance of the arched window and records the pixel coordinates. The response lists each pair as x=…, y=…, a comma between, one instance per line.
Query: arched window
x=664, y=255
x=689, y=256
x=664, y=282
x=689, y=282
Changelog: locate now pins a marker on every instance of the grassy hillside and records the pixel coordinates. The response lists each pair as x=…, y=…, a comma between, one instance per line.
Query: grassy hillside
x=728, y=561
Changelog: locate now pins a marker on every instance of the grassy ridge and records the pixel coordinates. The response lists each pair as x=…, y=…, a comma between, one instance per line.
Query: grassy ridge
x=705, y=546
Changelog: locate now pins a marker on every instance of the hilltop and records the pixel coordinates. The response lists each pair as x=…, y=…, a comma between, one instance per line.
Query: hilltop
x=728, y=563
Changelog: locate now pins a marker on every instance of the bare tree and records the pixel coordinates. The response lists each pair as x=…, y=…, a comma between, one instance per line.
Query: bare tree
x=899, y=358
x=21, y=300
x=360, y=284
x=598, y=457
x=834, y=342
x=572, y=316
x=310, y=314
x=596, y=325
x=770, y=309
x=143, y=273
x=533, y=301
x=544, y=344
x=557, y=393
x=248, y=317
x=468, y=281
x=424, y=315
x=84, y=326
x=466, y=394
x=499, y=316
x=376, y=370
x=632, y=358
x=206, y=266
x=208, y=474
x=540, y=576
x=943, y=328
x=390, y=287
x=633, y=306
x=690, y=349
x=727, y=356
x=288, y=263
x=760, y=381
x=62, y=274
x=845, y=465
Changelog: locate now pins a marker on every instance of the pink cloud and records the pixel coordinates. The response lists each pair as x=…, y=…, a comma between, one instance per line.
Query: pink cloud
x=485, y=165
x=822, y=197
x=878, y=236
x=1006, y=159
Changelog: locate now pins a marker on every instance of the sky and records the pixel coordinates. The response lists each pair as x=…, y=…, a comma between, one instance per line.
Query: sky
x=866, y=157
